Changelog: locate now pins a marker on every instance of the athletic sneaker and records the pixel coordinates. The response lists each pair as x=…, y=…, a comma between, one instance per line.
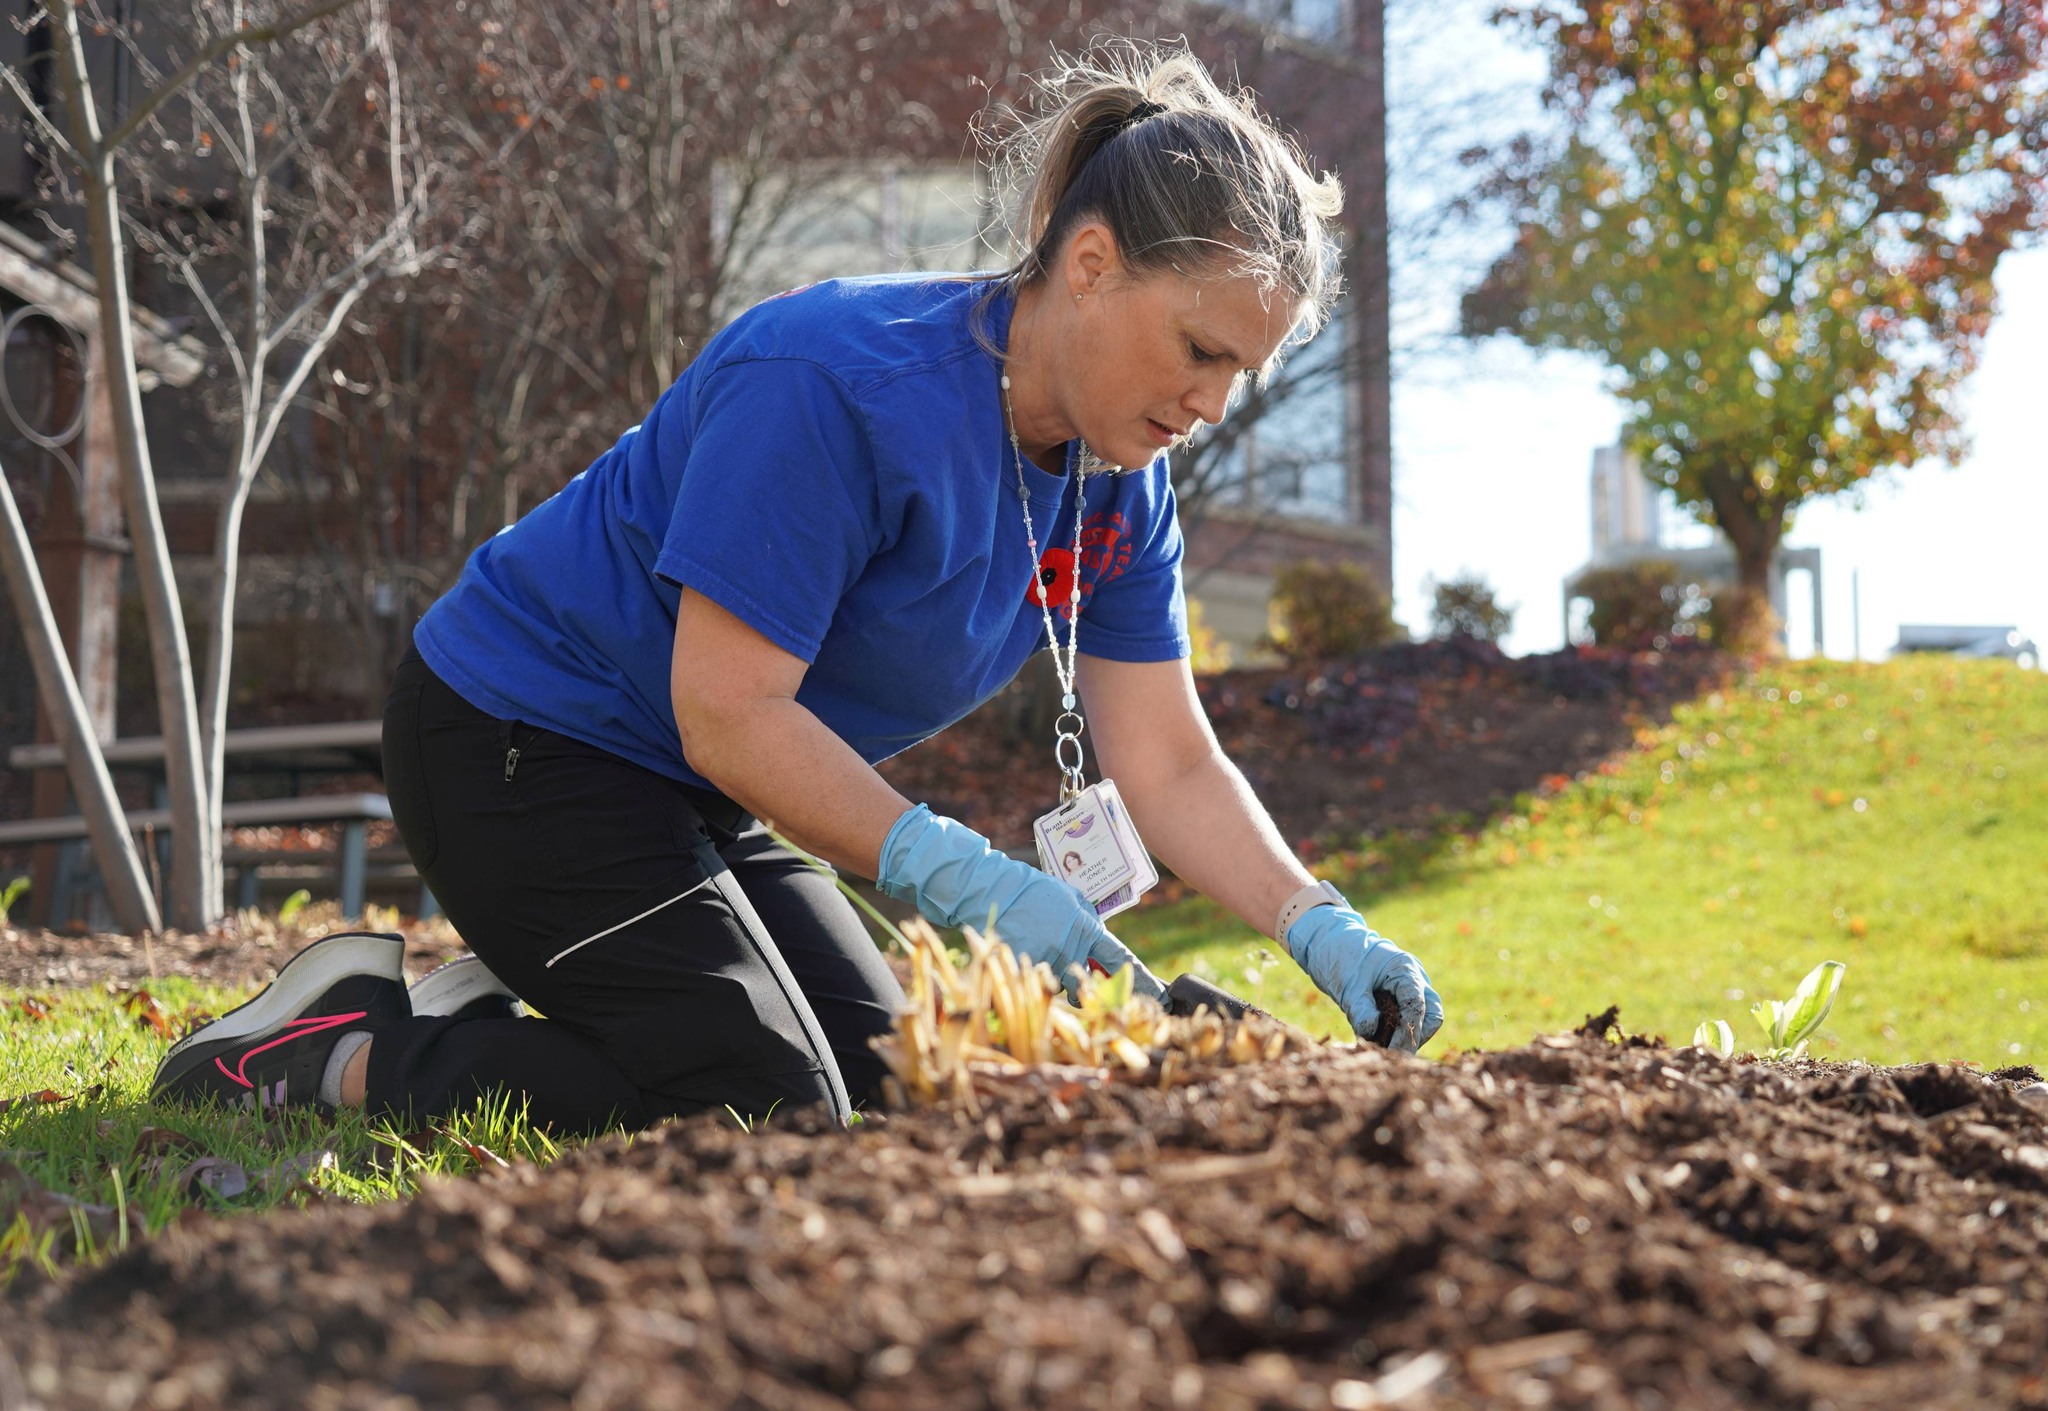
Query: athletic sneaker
x=272, y=1051
x=466, y=989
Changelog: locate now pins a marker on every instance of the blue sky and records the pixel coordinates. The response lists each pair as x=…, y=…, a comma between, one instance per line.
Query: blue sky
x=1493, y=443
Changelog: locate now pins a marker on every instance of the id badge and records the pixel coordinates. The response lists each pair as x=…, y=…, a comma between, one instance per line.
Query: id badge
x=1090, y=841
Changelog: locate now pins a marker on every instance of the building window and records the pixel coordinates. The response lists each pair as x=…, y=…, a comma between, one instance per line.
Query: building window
x=1287, y=450
x=823, y=220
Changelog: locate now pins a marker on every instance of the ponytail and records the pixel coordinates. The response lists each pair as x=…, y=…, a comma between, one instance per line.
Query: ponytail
x=1188, y=178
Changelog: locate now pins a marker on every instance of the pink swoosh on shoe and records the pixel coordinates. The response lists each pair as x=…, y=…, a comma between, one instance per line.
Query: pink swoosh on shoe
x=297, y=1029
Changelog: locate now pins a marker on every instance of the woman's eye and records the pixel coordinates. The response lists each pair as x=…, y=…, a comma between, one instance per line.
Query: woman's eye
x=1200, y=354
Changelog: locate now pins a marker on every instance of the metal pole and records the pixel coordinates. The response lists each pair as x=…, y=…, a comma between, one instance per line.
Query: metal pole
x=1856, y=614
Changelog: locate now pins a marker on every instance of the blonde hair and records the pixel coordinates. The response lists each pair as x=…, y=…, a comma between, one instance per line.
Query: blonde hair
x=1189, y=178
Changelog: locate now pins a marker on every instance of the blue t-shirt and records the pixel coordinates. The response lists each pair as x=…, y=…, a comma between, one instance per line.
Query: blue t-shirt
x=833, y=470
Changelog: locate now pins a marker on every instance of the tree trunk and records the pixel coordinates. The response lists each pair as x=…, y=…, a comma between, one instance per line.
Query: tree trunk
x=196, y=842
x=220, y=642
x=1754, y=528
x=113, y=847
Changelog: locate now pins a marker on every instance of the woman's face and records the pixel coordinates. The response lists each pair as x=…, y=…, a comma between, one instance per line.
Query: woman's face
x=1151, y=356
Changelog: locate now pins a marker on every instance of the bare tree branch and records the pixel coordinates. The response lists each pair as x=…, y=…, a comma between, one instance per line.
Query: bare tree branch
x=164, y=91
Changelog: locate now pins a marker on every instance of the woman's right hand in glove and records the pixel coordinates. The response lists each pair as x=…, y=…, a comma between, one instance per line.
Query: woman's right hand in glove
x=954, y=878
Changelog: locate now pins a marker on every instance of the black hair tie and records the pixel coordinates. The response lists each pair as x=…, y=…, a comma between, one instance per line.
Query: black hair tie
x=1144, y=110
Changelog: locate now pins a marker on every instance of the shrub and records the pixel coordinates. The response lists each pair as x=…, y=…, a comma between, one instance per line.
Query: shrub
x=1466, y=607
x=1641, y=606
x=1209, y=654
x=1742, y=621
x=1322, y=610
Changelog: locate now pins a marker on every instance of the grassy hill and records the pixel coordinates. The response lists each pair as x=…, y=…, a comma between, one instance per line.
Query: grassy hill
x=1893, y=817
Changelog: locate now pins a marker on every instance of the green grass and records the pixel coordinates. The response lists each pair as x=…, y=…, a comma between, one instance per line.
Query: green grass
x=97, y=1052
x=1893, y=817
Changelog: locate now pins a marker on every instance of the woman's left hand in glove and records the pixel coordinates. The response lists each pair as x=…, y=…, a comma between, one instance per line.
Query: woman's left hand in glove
x=1348, y=960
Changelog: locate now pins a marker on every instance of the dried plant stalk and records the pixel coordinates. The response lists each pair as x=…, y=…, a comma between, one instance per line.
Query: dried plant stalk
x=996, y=1017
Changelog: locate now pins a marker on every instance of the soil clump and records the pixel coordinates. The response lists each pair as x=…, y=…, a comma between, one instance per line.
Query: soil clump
x=1579, y=1222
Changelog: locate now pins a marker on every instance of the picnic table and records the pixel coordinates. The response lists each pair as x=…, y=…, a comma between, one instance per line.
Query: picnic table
x=293, y=751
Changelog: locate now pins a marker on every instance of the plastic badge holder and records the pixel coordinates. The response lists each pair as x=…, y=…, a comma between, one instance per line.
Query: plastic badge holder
x=1091, y=842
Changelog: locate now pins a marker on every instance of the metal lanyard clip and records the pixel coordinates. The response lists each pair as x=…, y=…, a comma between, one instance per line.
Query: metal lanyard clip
x=1068, y=741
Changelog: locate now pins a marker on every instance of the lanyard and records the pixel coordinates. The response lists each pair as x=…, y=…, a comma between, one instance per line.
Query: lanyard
x=1067, y=751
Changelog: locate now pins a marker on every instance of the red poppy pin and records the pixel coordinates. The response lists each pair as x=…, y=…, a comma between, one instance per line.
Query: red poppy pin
x=1056, y=575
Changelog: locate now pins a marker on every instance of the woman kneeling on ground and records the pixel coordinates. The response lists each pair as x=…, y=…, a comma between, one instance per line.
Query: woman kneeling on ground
x=849, y=522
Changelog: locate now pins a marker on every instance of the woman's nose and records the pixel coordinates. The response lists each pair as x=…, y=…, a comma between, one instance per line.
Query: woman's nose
x=1208, y=400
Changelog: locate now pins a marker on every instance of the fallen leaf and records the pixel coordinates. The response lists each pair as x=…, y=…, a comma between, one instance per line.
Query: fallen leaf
x=35, y=1006
x=481, y=1155
x=215, y=1174
x=150, y=1014
x=44, y=1210
x=46, y=1095
x=159, y=1146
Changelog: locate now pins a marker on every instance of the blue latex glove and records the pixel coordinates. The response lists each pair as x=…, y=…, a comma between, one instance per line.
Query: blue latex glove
x=1348, y=960
x=954, y=878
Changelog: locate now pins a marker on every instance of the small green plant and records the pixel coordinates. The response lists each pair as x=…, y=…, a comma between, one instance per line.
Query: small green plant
x=9, y=895
x=293, y=905
x=1791, y=1022
x=1788, y=1023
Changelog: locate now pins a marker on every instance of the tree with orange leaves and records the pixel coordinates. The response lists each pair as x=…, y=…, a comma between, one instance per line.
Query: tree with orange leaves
x=1777, y=221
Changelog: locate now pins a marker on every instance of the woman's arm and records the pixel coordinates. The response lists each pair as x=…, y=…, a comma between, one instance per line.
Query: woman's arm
x=1202, y=820
x=742, y=729
x=1192, y=807
x=734, y=693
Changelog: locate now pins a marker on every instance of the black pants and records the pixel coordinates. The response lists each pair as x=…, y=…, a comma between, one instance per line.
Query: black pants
x=683, y=960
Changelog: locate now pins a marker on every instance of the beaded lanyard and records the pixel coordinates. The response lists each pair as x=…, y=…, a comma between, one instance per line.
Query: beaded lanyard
x=1067, y=738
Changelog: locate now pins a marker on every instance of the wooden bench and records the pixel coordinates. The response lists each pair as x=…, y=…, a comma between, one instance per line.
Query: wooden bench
x=289, y=749
x=286, y=753
x=354, y=812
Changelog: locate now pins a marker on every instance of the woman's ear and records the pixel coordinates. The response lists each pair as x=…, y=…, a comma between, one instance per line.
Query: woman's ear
x=1091, y=257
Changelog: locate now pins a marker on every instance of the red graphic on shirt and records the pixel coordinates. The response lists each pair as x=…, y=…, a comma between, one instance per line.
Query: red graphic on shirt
x=1105, y=555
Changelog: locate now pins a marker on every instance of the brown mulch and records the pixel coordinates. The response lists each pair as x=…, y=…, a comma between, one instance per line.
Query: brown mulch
x=31, y=958
x=1404, y=737
x=1575, y=1223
